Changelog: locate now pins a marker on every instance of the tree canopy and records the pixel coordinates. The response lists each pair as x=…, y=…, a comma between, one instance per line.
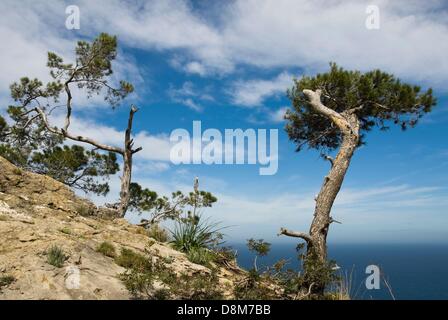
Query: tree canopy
x=377, y=98
x=31, y=142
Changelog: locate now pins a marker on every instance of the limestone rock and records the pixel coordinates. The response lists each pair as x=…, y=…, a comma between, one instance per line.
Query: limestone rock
x=36, y=213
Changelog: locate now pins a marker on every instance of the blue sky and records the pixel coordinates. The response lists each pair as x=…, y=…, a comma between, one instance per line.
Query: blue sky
x=229, y=64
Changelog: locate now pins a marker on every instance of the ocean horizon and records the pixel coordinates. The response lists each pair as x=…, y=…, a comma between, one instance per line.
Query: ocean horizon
x=412, y=271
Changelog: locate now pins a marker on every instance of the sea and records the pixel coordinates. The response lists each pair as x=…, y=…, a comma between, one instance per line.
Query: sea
x=408, y=271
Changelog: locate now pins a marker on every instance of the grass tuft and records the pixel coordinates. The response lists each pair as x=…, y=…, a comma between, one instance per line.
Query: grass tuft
x=6, y=280
x=158, y=233
x=56, y=257
x=107, y=249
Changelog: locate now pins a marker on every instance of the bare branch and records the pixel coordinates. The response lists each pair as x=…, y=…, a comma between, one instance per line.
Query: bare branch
x=298, y=297
x=333, y=220
x=70, y=136
x=30, y=120
x=316, y=103
x=69, y=100
x=295, y=234
x=137, y=150
x=327, y=157
x=128, y=140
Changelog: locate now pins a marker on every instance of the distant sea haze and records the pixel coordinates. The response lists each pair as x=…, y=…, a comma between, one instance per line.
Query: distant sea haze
x=413, y=271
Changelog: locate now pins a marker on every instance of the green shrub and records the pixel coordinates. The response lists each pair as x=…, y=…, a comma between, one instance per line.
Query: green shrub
x=158, y=233
x=56, y=257
x=194, y=234
x=66, y=230
x=225, y=256
x=130, y=260
x=6, y=280
x=85, y=210
x=253, y=287
x=202, y=256
x=107, y=249
x=197, y=287
x=141, y=283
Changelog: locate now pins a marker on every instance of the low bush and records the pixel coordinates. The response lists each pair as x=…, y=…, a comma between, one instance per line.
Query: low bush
x=131, y=260
x=6, y=280
x=202, y=256
x=107, y=249
x=56, y=256
x=158, y=233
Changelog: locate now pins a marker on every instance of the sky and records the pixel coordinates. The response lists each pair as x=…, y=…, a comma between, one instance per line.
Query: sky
x=228, y=64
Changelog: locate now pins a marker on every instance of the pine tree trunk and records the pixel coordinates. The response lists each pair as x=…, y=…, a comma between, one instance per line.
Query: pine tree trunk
x=317, y=247
x=125, y=195
x=125, y=183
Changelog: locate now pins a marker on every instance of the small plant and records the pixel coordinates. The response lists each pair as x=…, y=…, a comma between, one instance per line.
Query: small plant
x=107, y=249
x=260, y=247
x=195, y=233
x=130, y=260
x=85, y=210
x=158, y=233
x=56, y=257
x=142, y=273
x=225, y=255
x=253, y=287
x=202, y=256
x=6, y=280
x=197, y=287
x=66, y=230
x=17, y=171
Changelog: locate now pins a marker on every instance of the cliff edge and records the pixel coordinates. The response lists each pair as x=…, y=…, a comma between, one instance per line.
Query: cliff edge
x=38, y=213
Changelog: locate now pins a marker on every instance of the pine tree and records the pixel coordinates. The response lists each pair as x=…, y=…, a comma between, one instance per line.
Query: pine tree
x=334, y=111
x=34, y=143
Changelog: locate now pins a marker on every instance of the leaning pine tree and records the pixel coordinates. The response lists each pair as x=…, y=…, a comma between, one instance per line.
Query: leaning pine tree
x=333, y=111
x=90, y=73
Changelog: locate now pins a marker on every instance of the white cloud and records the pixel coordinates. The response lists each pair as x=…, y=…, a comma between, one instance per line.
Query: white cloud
x=252, y=93
x=411, y=42
x=155, y=147
x=188, y=95
x=364, y=210
x=28, y=31
x=278, y=115
x=195, y=68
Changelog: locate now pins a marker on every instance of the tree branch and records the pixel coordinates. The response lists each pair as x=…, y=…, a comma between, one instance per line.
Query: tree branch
x=69, y=101
x=327, y=157
x=333, y=220
x=316, y=103
x=295, y=234
x=68, y=135
x=127, y=138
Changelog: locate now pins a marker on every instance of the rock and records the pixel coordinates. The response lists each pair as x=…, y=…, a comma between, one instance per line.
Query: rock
x=27, y=237
x=37, y=213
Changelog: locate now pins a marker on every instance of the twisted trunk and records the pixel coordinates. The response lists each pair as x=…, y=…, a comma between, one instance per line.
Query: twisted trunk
x=317, y=246
x=348, y=123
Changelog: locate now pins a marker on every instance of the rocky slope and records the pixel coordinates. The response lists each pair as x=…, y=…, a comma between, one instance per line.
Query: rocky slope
x=37, y=212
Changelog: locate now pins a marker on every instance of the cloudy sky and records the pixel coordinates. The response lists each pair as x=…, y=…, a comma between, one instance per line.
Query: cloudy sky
x=229, y=64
